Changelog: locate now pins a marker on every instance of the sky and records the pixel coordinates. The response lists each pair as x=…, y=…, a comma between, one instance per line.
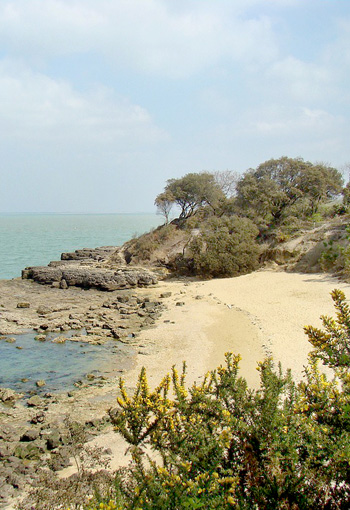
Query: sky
x=102, y=101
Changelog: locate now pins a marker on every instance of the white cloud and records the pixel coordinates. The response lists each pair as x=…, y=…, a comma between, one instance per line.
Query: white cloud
x=303, y=81
x=151, y=36
x=37, y=108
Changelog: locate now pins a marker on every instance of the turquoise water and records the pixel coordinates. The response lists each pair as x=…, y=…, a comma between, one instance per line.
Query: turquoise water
x=36, y=239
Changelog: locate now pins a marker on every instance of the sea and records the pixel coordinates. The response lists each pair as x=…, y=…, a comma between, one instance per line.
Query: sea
x=34, y=240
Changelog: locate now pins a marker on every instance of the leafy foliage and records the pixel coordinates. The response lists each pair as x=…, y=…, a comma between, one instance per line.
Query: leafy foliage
x=191, y=192
x=225, y=246
x=268, y=193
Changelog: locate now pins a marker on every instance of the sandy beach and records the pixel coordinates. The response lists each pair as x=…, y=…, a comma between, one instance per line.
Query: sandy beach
x=255, y=315
x=259, y=314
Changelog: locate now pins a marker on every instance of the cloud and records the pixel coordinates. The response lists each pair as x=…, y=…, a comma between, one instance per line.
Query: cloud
x=154, y=36
x=38, y=109
x=308, y=82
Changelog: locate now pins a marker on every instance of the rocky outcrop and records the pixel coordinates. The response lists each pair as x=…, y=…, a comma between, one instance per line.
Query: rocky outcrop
x=89, y=269
x=98, y=254
x=87, y=277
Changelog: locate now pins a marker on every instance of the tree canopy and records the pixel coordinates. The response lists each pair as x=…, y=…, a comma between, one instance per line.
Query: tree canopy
x=269, y=191
x=191, y=192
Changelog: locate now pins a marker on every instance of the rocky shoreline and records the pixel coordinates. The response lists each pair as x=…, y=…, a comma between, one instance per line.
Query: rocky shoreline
x=80, y=298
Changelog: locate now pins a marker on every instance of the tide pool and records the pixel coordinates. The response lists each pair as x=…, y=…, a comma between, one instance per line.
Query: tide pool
x=26, y=361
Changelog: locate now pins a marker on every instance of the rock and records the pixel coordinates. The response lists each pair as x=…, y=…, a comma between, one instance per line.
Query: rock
x=91, y=277
x=165, y=295
x=6, y=451
x=29, y=451
x=10, y=340
x=180, y=303
x=60, y=459
x=43, y=310
x=59, y=340
x=8, y=396
x=40, y=383
x=63, y=284
x=30, y=435
x=34, y=401
x=38, y=418
x=54, y=440
x=40, y=338
x=23, y=305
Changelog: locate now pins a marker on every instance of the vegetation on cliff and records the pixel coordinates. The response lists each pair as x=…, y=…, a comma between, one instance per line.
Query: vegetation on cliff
x=225, y=222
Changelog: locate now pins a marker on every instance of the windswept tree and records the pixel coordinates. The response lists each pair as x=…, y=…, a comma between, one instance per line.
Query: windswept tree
x=190, y=192
x=268, y=192
x=164, y=203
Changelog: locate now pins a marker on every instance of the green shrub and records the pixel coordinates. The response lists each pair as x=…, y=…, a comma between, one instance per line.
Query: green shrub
x=225, y=246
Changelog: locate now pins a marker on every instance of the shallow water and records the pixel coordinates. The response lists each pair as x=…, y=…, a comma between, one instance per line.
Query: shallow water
x=60, y=365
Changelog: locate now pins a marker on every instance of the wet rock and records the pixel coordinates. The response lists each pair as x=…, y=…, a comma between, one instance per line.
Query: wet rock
x=40, y=383
x=10, y=340
x=59, y=340
x=40, y=338
x=9, y=396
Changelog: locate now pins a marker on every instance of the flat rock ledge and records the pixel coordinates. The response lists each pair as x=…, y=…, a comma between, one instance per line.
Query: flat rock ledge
x=89, y=269
x=90, y=278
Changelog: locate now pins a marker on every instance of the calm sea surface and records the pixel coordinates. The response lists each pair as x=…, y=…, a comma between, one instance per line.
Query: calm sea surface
x=36, y=239
x=29, y=240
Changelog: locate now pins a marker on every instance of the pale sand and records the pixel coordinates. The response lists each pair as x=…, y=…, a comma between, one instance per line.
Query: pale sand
x=254, y=315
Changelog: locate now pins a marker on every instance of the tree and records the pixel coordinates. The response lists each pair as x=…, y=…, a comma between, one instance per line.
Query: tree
x=268, y=192
x=227, y=181
x=191, y=192
x=164, y=202
x=321, y=182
